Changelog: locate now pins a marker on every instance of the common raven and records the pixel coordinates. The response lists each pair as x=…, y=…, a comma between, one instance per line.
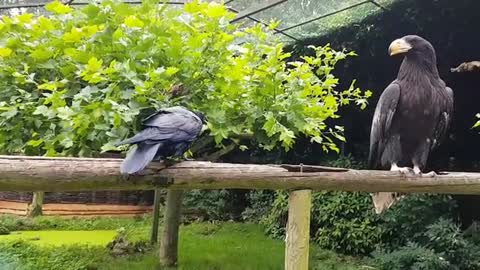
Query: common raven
x=167, y=132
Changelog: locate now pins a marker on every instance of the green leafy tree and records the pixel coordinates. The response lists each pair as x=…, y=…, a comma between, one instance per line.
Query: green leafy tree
x=75, y=81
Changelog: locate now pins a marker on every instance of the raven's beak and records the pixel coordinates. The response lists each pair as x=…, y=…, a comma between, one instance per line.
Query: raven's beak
x=399, y=46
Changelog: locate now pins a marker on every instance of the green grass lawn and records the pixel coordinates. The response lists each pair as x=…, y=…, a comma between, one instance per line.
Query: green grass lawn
x=59, y=238
x=229, y=246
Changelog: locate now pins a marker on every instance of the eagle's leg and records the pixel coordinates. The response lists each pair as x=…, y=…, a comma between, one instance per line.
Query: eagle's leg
x=418, y=171
x=403, y=170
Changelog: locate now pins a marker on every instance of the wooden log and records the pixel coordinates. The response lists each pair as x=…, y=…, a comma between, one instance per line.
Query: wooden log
x=169, y=242
x=156, y=216
x=298, y=230
x=35, y=208
x=19, y=173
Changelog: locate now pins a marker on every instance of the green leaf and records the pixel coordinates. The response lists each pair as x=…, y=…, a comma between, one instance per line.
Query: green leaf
x=45, y=111
x=171, y=71
x=5, y=52
x=35, y=143
x=65, y=113
x=51, y=86
x=215, y=10
x=74, y=36
x=94, y=64
x=10, y=113
x=477, y=124
x=57, y=7
x=24, y=18
x=41, y=54
x=133, y=22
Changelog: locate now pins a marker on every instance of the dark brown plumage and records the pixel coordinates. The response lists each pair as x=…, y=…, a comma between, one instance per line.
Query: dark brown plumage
x=412, y=115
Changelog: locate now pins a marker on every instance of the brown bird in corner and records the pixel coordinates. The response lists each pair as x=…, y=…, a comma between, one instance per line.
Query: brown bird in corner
x=412, y=115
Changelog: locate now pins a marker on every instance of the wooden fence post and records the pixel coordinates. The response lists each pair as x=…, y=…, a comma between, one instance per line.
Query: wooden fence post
x=35, y=208
x=169, y=240
x=156, y=217
x=298, y=230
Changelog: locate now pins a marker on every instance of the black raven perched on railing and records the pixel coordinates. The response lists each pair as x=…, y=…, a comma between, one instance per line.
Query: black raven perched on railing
x=167, y=133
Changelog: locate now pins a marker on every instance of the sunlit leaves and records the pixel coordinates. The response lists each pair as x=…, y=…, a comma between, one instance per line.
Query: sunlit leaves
x=41, y=54
x=133, y=22
x=57, y=7
x=477, y=124
x=76, y=82
x=5, y=52
x=216, y=10
x=93, y=71
x=73, y=36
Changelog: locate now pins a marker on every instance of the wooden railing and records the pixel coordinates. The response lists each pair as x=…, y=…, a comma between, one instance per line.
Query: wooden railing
x=20, y=173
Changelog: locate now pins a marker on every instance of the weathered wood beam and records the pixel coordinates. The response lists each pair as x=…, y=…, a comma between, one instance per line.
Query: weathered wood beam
x=35, y=208
x=168, y=252
x=298, y=230
x=19, y=173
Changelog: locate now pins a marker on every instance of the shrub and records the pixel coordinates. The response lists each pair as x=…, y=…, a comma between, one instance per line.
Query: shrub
x=441, y=246
x=345, y=222
x=276, y=219
x=208, y=204
x=342, y=221
x=4, y=230
x=409, y=219
x=411, y=257
x=260, y=204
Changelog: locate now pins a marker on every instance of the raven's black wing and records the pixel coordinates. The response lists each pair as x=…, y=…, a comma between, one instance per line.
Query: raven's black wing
x=172, y=124
x=382, y=120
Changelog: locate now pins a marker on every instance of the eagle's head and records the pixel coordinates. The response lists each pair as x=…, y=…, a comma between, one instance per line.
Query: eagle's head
x=411, y=45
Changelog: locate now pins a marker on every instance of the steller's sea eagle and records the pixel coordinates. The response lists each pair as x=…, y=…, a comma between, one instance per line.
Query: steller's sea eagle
x=412, y=115
x=168, y=132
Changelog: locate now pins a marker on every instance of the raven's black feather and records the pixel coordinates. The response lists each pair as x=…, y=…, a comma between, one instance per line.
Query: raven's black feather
x=168, y=132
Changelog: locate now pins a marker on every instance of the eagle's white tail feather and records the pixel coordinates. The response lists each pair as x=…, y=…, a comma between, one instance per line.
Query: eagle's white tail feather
x=383, y=200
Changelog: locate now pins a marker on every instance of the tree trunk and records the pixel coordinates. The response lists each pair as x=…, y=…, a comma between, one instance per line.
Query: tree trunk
x=34, y=209
x=169, y=241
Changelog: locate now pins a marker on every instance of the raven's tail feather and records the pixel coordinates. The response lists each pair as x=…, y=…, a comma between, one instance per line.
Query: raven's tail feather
x=138, y=158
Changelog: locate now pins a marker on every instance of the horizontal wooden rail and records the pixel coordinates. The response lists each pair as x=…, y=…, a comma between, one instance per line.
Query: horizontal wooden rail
x=20, y=173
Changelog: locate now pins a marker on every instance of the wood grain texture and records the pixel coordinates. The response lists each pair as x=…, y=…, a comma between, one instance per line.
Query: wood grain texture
x=35, y=208
x=19, y=173
x=298, y=230
x=168, y=252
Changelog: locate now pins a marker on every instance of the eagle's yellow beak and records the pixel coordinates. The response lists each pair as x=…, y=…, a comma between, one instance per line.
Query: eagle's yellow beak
x=399, y=46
